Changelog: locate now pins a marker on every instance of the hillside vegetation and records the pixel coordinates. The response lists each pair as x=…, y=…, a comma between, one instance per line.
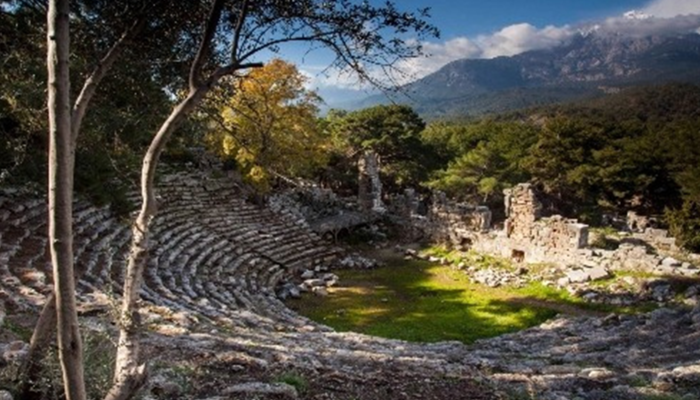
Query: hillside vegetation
x=634, y=150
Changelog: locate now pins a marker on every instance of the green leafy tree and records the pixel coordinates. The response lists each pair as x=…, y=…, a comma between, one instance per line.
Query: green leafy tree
x=394, y=133
x=489, y=160
x=684, y=224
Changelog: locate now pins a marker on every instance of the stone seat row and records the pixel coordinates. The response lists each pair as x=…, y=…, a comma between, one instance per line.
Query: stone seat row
x=213, y=254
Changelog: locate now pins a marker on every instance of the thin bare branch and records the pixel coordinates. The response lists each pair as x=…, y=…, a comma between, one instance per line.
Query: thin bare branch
x=205, y=45
x=238, y=29
x=100, y=71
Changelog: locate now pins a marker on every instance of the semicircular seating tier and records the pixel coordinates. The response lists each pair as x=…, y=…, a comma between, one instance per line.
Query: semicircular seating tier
x=209, y=285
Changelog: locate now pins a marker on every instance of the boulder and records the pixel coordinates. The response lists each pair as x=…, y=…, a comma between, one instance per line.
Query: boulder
x=578, y=276
x=597, y=273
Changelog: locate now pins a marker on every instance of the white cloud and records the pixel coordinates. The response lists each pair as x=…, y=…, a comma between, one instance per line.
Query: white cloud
x=511, y=40
x=518, y=38
x=437, y=55
x=321, y=77
x=651, y=25
x=672, y=8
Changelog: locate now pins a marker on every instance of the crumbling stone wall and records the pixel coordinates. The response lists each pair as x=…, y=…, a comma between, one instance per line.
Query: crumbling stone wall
x=369, y=194
x=529, y=237
x=542, y=237
x=659, y=239
x=406, y=205
x=526, y=236
x=522, y=210
x=456, y=223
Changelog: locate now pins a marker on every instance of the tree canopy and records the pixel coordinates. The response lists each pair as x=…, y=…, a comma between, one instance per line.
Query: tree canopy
x=267, y=123
x=394, y=133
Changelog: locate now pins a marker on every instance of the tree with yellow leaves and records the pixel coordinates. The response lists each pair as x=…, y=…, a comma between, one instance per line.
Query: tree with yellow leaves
x=266, y=122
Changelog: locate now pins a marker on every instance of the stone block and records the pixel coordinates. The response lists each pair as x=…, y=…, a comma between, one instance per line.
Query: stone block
x=597, y=273
x=670, y=262
x=578, y=276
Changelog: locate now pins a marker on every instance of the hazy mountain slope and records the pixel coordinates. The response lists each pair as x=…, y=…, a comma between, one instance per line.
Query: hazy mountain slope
x=588, y=66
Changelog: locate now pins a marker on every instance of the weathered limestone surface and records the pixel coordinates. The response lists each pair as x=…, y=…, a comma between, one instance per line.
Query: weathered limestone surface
x=370, y=185
x=211, y=283
x=211, y=294
x=655, y=355
x=455, y=223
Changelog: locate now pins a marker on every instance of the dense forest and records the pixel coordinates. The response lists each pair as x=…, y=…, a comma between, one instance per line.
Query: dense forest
x=636, y=150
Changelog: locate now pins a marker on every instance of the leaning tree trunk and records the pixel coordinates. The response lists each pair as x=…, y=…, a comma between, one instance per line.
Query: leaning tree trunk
x=32, y=367
x=130, y=375
x=61, y=199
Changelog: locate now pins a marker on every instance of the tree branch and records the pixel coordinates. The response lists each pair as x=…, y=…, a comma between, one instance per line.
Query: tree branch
x=238, y=29
x=230, y=69
x=100, y=71
x=202, y=52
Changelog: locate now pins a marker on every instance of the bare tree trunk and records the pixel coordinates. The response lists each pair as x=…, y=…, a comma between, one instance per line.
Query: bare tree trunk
x=32, y=367
x=61, y=199
x=129, y=374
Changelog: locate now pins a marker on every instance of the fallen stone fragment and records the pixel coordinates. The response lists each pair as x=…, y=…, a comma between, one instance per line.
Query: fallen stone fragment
x=598, y=374
x=294, y=293
x=312, y=283
x=578, y=276
x=598, y=273
x=307, y=274
x=670, y=262
x=15, y=350
x=252, y=388
x=166, y=390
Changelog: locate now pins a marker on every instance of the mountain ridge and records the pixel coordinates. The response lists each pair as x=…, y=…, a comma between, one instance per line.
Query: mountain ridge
x=589, y=65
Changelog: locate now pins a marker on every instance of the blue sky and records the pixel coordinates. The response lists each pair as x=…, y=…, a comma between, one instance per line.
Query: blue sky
x=492, y=28
x=475, y=17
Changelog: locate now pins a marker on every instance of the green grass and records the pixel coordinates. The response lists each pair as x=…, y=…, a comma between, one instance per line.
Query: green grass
x=423, y=302
x=417, y=301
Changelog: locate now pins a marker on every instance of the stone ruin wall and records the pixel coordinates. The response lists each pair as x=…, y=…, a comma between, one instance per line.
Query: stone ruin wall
x=529, y=237
x=369, y=194
x=455, y=222
x=526, y=236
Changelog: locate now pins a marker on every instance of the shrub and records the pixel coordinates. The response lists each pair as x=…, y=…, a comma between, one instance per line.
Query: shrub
x=684, y=225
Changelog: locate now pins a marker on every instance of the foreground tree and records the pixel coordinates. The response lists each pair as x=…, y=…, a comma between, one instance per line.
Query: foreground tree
x=61, y=198
x=358, y=33
x=268, y=125
x=65, y=124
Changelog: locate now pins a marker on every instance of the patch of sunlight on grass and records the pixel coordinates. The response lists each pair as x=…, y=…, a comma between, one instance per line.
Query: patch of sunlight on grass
x=418, y=301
